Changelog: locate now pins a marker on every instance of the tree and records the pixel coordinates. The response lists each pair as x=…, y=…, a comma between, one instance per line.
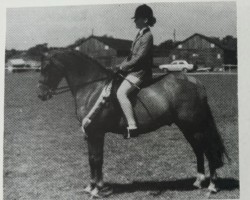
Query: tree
x=168, y=44
x=229, y=41
x=10, y=53
x=107, y=36
x=79, y=41
x=38, y=50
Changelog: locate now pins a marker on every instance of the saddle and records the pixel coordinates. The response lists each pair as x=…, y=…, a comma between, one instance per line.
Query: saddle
x=117, y=80
x=109, y=94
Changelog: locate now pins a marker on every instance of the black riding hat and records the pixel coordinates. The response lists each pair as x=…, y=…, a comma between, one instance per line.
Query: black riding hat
x=143, y=11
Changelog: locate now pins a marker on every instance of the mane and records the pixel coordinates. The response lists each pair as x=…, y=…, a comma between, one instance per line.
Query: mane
x=67, y=55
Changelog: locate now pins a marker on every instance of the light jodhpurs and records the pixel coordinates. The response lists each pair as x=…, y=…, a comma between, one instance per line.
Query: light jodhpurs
x=123, y=91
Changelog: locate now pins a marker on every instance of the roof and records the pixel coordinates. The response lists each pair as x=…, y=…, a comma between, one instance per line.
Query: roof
x=115, y=43
x=215, y=41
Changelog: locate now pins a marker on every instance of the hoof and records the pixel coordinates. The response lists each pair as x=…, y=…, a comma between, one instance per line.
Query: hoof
x=94, y=193
x=212, y=188
x=199, y=180
x=101, y=192
x=197, y=184
x=89, y=188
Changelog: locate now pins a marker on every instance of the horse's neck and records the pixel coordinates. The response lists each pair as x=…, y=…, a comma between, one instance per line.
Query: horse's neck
x=84, y=77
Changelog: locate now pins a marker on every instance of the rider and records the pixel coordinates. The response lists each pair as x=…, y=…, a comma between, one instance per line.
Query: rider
x=138, y=65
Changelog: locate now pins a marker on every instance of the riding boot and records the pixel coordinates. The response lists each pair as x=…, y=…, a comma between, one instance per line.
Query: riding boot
x=131, y=133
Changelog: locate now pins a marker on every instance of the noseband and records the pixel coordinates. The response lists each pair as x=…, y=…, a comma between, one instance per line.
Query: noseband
x=42, y=85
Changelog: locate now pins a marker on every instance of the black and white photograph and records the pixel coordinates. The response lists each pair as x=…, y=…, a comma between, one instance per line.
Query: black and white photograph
x=130, y=100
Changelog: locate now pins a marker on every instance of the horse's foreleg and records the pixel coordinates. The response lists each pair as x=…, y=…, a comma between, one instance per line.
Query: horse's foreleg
x=95, y=148
x=195, y=140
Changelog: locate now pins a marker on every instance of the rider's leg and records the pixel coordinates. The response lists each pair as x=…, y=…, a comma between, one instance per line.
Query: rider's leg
x=124, y=90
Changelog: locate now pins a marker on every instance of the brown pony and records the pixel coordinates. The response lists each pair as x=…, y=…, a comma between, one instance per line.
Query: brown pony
x=173, y=98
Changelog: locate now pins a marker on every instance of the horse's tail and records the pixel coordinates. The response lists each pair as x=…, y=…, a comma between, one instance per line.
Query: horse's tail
x=215, y=150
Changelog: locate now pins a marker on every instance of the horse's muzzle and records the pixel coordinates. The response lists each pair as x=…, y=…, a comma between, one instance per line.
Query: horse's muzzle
x=43, y=93
x=45, y=97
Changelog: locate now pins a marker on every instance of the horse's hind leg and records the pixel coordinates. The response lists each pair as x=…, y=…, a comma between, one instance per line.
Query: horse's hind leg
x=195, y=143
x=198, y=150
x=200, y=169
x=213, y=177
x=195, y=140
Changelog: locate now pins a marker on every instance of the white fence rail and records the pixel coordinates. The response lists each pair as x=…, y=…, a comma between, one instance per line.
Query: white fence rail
x=229, y=67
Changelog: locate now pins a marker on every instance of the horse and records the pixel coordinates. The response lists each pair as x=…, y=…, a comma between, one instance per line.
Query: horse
x=174, y=98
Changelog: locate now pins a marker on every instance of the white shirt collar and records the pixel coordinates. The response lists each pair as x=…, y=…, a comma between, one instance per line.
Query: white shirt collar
x=141, y=31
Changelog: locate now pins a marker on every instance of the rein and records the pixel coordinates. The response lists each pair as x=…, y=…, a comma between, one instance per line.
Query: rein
x=64, y=89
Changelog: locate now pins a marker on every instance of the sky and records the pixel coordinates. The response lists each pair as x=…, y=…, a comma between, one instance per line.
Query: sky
x=61, y=26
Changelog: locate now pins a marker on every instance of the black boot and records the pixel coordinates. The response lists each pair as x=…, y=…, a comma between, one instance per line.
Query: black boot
x=131, y=133
x=134, y=133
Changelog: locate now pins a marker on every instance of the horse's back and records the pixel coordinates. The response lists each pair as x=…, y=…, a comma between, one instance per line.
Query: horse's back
x=174, y=95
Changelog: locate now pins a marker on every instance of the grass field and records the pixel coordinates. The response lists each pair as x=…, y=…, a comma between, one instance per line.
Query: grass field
x=45, y=155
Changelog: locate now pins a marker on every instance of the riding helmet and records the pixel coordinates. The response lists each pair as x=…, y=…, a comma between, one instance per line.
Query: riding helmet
x=144, y=11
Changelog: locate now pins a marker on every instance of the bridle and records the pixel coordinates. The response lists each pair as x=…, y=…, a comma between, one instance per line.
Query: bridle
x=45, y=86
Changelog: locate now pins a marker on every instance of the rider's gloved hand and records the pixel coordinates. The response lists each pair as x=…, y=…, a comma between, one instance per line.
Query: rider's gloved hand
x=117, y=71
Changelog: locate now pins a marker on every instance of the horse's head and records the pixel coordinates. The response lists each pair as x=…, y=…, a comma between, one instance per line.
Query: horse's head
x=51, y=75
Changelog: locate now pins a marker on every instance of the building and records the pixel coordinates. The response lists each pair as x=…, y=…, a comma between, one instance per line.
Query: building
x=161, y=56
x=205, y=51
x=106, y=50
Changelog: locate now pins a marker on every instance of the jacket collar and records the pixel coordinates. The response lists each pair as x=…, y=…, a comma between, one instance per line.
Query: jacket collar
x=143, y=31
x=140, y=35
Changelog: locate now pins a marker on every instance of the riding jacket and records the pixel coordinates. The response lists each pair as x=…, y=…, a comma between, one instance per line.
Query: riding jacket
x=139, y=62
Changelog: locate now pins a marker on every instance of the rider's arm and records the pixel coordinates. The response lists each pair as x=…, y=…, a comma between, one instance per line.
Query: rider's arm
x=145, y=46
